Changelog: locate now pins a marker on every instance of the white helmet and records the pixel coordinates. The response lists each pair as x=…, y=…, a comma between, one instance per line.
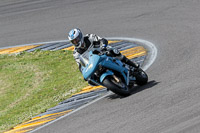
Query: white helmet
x=76, y=37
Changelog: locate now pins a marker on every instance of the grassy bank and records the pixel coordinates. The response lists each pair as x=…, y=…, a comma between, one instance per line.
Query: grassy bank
x=30, y=83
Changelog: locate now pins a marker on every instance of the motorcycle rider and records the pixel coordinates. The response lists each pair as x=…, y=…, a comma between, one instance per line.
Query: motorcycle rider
x=90, y=42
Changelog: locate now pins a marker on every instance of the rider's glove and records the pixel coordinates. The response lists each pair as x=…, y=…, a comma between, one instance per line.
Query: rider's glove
x=103, y=46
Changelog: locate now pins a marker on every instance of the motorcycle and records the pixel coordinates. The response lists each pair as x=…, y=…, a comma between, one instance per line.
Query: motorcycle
x=99, y=68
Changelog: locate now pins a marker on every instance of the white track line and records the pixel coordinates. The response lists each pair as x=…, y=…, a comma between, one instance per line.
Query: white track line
x=152, y=53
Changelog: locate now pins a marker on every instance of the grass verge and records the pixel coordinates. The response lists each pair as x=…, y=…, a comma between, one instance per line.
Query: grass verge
x=30, y=83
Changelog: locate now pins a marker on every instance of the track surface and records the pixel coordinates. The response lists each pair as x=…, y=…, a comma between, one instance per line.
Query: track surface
x=168, y=104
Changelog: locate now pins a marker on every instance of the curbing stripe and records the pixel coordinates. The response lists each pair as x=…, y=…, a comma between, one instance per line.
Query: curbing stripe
x=33, y=124
x=133, y=51
x=114, y=41
x=72, y=47
x=125, y=44
x=117, y=43
x=88, y=89
x=49, y=45
x=127, y=47
x=62, y=47
x=16, y=49
x=136, y=55
x=71, y=105
x=69, y=48
x=55, y=45
x=37, y=121
x=82, y=96
x=28, y=126
x=38, y=118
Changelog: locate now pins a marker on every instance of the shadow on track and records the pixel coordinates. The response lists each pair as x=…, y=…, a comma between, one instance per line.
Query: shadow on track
x=137, y=89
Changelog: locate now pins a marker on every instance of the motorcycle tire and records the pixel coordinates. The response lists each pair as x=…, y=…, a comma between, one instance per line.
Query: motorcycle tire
x=109, y=83
x=141, y=77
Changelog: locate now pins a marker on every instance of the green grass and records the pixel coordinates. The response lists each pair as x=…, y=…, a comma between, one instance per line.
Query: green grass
x=30, y=83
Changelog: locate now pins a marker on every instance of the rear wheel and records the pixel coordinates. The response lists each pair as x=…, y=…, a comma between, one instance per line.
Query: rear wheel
x=141, y=77
x=116, y=86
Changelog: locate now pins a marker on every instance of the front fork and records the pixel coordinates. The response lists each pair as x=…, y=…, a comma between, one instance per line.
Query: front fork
x=129, y=79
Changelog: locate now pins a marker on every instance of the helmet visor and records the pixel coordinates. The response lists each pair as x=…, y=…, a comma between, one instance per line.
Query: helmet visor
x=77, y=40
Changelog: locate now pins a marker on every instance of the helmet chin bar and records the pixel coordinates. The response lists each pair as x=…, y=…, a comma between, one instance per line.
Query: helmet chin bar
x=82, y=44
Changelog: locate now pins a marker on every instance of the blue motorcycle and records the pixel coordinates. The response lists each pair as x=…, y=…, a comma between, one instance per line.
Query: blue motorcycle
x=99, y=68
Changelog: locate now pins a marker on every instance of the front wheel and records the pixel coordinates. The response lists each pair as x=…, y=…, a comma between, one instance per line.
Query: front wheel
x=117, y=87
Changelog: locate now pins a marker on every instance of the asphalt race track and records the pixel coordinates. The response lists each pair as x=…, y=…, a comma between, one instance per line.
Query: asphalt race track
x=169, y=103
